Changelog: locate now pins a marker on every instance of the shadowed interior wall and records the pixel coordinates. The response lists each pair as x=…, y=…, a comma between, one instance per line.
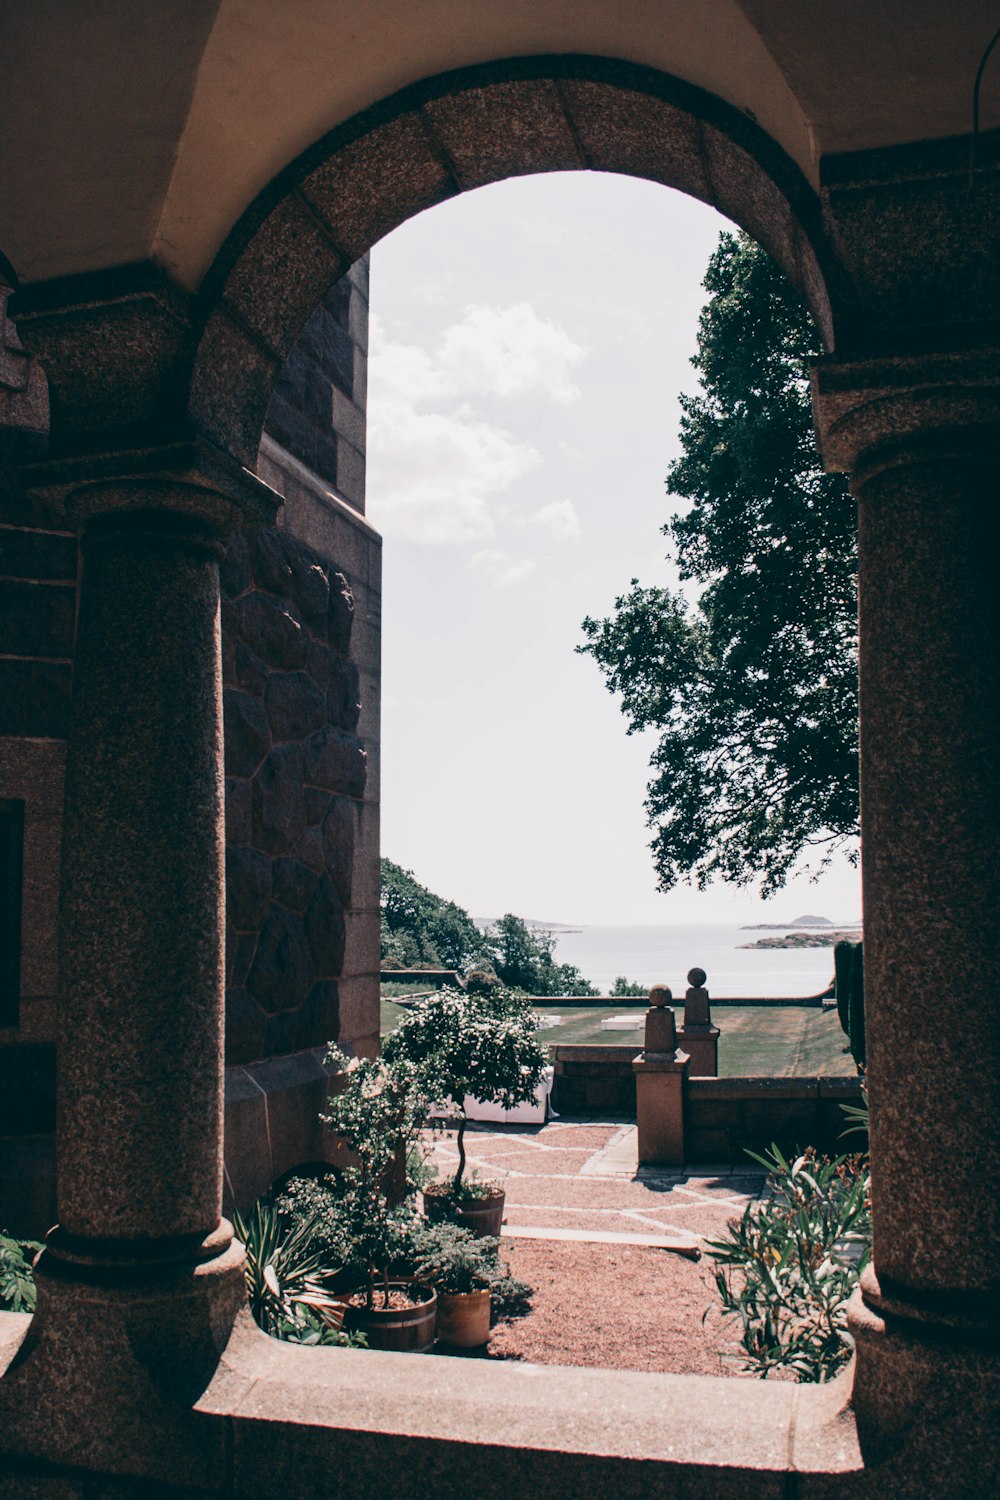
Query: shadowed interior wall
x=301, y=664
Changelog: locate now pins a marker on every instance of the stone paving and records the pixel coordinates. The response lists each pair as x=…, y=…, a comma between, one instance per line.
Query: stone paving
x=580, y=1181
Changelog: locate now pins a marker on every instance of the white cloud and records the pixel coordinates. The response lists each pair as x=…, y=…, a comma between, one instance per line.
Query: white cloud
x=502, y=569
x=509, y=351
x=436, y=475
x=559, y=518
x=490, y=351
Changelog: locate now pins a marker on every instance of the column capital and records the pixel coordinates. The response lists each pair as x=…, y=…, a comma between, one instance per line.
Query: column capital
x=876, y=410
x=192, y=478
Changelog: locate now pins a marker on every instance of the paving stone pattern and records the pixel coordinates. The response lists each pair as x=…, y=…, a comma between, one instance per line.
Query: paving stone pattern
x=555, y=1176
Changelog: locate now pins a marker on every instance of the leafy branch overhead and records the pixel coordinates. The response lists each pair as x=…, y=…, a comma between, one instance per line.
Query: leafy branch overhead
x=752, y=687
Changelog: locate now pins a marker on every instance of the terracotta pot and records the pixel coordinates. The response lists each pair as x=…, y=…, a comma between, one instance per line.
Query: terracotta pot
x=463, y=1318
x=482, y=1216
x=407, y=1330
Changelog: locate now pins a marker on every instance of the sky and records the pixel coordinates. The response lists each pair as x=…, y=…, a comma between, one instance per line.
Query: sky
x=528, y=344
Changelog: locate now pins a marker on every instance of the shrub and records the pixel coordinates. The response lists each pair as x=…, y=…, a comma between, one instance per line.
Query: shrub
x=627, y=989
x=287, y=1279
x=791, y=1262
x=455, y=1260
x=378, y=1113
x=17, y=1278
x=481, y=1043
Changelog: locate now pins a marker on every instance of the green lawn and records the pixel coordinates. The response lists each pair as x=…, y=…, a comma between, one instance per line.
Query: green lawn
x=755, y=1041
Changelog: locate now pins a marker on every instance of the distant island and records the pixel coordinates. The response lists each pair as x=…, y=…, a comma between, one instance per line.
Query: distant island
x=806, y=921
x=813, y=939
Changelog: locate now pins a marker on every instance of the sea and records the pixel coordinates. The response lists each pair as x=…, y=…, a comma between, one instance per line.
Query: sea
x=663, y=955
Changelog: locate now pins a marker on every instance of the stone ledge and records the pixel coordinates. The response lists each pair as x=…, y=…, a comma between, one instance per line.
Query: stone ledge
x=468, y=1427
x=753, y=1088
x=350, y=1419
x=564, y=1052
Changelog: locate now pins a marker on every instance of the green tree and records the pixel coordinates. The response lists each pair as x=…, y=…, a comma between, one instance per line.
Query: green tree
x=752, y=687
x=524, y=959
x=421, y=928
x=480, y=1043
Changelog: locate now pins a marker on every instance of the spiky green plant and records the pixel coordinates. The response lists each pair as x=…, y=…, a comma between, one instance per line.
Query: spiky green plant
x=287, y=1278
x=791, y=1262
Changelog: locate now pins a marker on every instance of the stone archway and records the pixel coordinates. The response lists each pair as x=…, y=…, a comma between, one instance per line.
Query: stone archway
x=462, y=130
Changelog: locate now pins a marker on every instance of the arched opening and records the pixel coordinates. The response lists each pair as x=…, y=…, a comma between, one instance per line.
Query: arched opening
x=420, y=147
x=267, y=470
x=462, y=130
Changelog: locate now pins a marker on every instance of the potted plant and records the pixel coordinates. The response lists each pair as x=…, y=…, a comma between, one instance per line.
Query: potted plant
x=475, y=1287
x=377, y=1113
x=461, y=1267
x=479, y=1042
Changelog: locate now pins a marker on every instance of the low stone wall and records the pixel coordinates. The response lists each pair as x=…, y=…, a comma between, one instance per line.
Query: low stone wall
x=726, y=1117
x=723, y=1117
x=593, y=1080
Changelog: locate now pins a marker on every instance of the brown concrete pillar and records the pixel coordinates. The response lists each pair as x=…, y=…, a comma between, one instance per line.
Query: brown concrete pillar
x=141, y=1281
x=660, y=1075
x=924, y=461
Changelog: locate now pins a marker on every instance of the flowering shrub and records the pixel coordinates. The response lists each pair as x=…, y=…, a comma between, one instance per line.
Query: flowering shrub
x=481, y=1042
x=378, y=1112
x=790, y=1264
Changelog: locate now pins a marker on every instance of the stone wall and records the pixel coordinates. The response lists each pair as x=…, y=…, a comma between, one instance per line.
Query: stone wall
x=726, y=1117
x=302, y=668
x=294, y=771
x=723, y=1117
x=318, y=410
x=594, y=1080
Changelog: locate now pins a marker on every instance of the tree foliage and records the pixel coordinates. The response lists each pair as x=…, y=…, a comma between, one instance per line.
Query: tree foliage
x=420, y=928
x=753, y=686
x=524, y=959
x=481, y=1042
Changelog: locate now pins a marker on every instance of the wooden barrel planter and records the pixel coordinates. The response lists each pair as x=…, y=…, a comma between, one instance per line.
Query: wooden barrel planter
x=405, y=1330
x=463, y=1318
x=480, y=1215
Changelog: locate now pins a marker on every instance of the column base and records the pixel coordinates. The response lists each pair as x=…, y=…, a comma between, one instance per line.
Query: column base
x=926, y=1392
x=115, y=1358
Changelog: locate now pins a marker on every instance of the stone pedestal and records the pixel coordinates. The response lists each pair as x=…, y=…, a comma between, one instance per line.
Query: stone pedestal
x=660, y=1072
x=921, y=437
x=701, y=1043
x=699, y=1038
x=659, y=1097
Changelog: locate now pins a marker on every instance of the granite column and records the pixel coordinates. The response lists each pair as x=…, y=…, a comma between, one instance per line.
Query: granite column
x=920, y=438
x=140, y=1281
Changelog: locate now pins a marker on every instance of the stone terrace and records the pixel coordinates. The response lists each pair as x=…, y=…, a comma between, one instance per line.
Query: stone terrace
x=579, y=1180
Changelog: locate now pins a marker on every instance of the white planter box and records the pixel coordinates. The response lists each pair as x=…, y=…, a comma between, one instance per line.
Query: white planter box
x=534, y=1113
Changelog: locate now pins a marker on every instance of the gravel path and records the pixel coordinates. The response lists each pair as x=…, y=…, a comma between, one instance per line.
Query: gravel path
x=609, y=1306
x=616, y=1307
